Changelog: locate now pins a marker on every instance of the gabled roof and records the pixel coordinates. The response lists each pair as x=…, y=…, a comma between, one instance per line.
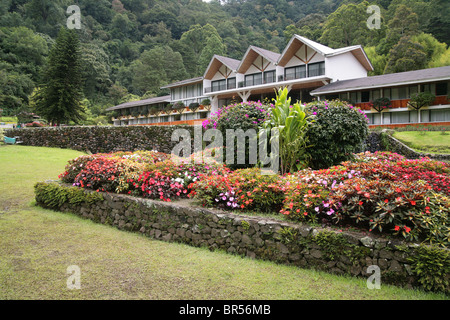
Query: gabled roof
x=139, y=103
x=386, y=80
x=298, y=41
x=216, y=62
x=251, y=54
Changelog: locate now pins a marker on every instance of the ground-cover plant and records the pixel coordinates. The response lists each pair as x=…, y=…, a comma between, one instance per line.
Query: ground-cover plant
x=173, y=178
x=378, y=192
x=75, y=166
x=243, y=189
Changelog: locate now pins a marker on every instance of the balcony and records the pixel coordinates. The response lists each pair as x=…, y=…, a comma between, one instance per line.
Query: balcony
x=402, y=103
x=316, y=71
x=220, y=87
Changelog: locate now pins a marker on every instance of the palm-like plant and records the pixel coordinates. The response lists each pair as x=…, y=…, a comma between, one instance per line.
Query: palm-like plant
x=289, y=123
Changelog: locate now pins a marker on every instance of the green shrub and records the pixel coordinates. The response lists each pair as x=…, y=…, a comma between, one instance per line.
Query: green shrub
x=244, y=116
x=432, y=266
x=53, y=195
x=338, y=130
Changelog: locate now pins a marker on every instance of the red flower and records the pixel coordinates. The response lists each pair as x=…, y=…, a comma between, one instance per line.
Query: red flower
x=397, y=228
x=413, y=203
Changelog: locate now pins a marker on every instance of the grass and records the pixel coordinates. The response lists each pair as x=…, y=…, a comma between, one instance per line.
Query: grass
x=37, y=246
x=8, y=119
x=425, y=141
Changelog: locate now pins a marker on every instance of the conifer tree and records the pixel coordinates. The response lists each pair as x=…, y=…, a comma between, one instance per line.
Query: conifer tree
x=61, y=93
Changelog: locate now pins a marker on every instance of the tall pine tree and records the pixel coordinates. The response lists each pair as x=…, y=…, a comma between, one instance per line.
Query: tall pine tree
x=61, y=93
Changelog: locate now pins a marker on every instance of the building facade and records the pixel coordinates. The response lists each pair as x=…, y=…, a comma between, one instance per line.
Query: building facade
x=310, y=71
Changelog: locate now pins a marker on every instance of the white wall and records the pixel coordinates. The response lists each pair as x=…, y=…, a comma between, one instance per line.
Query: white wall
x=343, y=67
x=223, y=70
x=260, y=63
x=294, y=61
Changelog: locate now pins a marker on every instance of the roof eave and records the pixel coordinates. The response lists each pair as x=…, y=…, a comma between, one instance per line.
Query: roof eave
x=392, y=84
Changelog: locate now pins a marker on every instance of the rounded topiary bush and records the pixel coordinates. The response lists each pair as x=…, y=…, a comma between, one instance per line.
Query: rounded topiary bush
x=245, y=116
x=337, y=131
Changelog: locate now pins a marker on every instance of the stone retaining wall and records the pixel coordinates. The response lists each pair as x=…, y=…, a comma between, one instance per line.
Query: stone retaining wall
x=252, y=236
x=97, y=139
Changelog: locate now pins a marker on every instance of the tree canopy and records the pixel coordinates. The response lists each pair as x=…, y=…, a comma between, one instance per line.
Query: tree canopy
x=133, y=47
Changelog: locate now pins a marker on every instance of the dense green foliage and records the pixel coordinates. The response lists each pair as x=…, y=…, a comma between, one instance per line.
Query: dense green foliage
x=290, y=123
x=59, y=98
x=125, y=44
x=338, y=130
x=245, y=116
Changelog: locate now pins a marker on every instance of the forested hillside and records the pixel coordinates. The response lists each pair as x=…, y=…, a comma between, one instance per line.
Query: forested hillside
x=130, y=48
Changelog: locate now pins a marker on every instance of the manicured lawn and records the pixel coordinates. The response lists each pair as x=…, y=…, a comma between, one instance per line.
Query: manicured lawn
x=37, y=246
x=429, y=141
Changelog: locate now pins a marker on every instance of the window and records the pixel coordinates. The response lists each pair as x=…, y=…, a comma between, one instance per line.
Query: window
x=203, y=115
x=253, y=79
x=189, y=91
x=269, y=76
x=231, y=83
x=218, y=85
x=376, y=94
x=399, y=93
x=441, y=89
x=439, y=115
x=430, y=87
x=343, y=96
x=387, y=93
x=316, y=69
x=413, y=90
x=400, y=117
x=354, y=97
x=365, y=96
x=297, y=72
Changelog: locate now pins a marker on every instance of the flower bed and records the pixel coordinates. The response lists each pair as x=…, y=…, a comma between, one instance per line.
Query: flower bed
x=380, y=192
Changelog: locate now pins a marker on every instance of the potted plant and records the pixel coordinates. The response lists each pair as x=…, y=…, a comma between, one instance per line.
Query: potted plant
x=178, y=106
x=380, y=104
x=194, y=106
x=204, y=103
x=420, y=100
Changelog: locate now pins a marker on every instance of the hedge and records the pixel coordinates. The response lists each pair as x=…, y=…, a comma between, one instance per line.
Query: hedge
x=98, y=139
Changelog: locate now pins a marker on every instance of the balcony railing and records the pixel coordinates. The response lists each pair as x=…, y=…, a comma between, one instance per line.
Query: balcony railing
x=256, y=82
